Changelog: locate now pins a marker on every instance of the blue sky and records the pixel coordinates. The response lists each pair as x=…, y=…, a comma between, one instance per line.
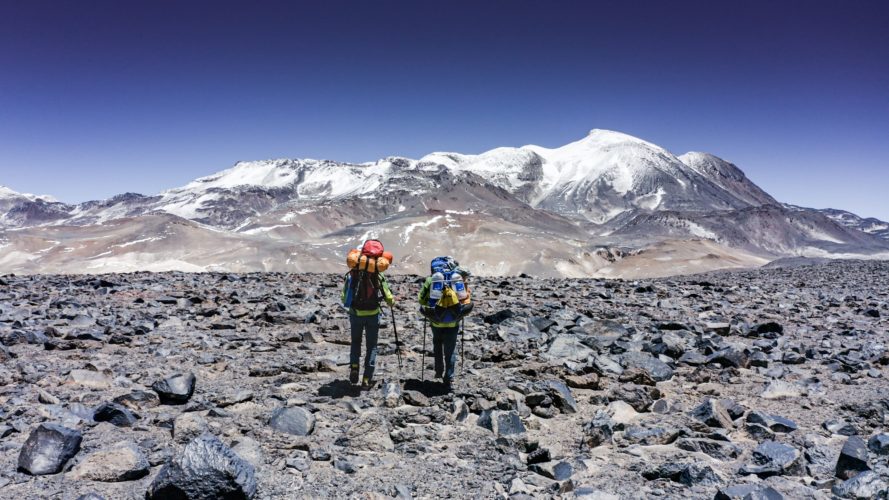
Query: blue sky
x=103, y=97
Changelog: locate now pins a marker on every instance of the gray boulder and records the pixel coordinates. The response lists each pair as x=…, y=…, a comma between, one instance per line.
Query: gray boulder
x=122, y=461
x=297, y=421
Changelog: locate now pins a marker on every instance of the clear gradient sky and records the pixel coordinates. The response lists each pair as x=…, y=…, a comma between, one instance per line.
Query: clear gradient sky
x=101, y=97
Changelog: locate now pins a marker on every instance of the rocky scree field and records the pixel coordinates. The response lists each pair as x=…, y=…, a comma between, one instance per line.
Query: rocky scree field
x=768, y=383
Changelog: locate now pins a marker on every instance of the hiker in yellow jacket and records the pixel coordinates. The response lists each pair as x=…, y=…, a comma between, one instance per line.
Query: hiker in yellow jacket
x=364, y=318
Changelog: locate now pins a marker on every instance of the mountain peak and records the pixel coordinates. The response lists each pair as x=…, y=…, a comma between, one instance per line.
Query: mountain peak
x=612, y=135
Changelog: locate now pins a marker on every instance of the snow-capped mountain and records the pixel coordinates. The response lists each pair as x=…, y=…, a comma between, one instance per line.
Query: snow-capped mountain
x=870, y=225
x=579, y=209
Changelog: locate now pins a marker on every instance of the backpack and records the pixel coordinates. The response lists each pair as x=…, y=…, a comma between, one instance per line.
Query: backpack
x=455, y=301
x=363, y=290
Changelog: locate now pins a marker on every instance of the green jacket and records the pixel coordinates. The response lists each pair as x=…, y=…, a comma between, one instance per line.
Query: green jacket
x=387, y=295
x=424, y=301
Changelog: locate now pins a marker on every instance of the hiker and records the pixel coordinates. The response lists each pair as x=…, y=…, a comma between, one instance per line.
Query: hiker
x=364, y=289
x=444, y=301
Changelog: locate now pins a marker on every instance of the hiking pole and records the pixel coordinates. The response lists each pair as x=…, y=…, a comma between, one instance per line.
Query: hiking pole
x=397, y=343
x=462, y=343
x=423, y=363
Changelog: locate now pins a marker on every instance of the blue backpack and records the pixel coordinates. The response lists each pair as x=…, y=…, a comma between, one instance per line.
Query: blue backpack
x=451, y=285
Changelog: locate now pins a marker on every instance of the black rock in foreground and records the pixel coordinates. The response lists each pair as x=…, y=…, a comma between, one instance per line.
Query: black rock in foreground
x=206, y=469
x=48, y=449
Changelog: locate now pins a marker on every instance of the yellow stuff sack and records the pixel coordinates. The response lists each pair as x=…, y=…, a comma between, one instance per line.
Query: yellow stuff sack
x=448, y=298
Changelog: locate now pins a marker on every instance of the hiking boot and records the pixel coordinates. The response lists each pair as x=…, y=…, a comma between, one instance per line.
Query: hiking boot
x=366, y=382
x=353, y=374
x=447, y=381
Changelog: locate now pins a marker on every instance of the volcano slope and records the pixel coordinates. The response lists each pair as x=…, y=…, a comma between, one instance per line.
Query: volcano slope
x=768, y=382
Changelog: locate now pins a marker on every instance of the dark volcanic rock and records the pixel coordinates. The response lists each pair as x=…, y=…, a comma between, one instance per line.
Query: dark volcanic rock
x=138, y=400
x=748, y=492
x=772, y=459
x=637, y=396
x=205, y=469
x=721, y=450
x=655, y=368
x=558, y=471
x=879, y=444
x=115, y=414
x=853, y=458
x=713, y=414
x=773, y=422
x=175, y=389
x=501, y=423
x=562, y=397
x=865, y=486
x=48, y=448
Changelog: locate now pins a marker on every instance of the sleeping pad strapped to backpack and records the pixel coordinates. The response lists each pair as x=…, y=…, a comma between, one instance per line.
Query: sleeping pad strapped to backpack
x=363, y=279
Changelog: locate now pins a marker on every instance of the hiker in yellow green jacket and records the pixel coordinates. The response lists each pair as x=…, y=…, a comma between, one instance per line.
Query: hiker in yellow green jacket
x=367, y=292
x=444, y=300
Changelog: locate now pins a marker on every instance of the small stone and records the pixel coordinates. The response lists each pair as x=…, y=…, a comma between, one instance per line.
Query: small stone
x=175, y=389
x=296, y=421
x=91, y=379
x=760, y=432
x=297, y=463
x=694, y=474
x=711, y=413
x=122, y=461
x=561, y=396
x=558, y=471
x=637, y=396
x=250, y=450
x=538, y=456
x=47, y=398
x=138, y=400
x=653, y=367
x=501, y=423
x=459, y=410
x=718, y=327
x=840, y=427
x=115, y=414
x=189, y=426
x=341, y=464
x=233, y=399
x=415, y=398
x=771, y=458
x=585, y=381
x=773, y=422
x=748, y=492
x=779, y=389
x=369, y=432
x=879, y=444
x=392, y=394
x=719, y=450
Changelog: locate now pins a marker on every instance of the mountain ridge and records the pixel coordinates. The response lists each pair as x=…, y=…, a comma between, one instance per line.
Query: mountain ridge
x=607, y=191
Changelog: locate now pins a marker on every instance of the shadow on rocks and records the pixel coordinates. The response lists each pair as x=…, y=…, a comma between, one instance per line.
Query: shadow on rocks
x=339, y=389
x=428, y=388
